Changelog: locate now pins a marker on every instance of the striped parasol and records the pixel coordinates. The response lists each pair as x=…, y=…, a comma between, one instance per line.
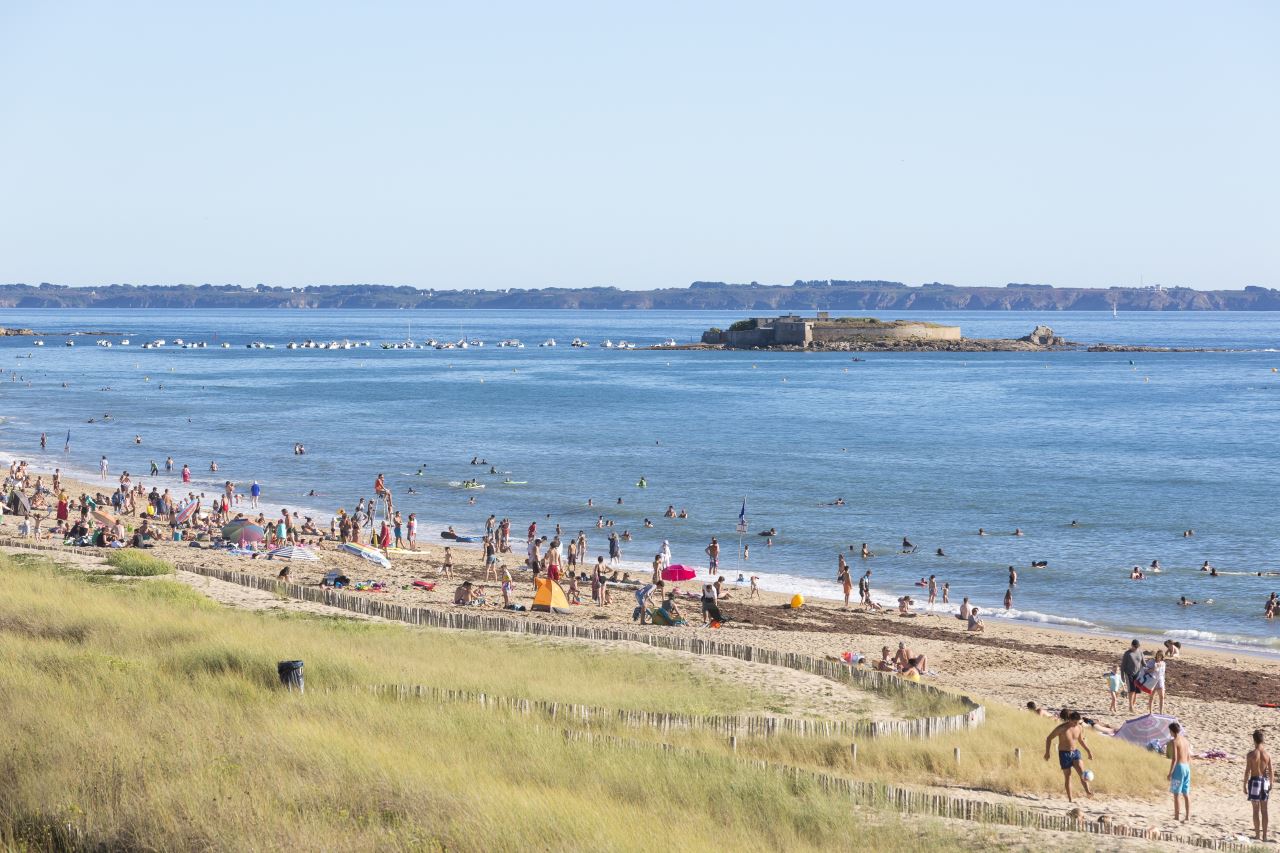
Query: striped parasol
x=184, y=515
x=241, y=530
x=1147, y=729
x=373, y=555
x=293, y=552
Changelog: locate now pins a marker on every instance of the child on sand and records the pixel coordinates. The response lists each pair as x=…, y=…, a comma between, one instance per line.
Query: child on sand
x=446, y=569
x=1114, y=685
x=1179, y=777
x=755, y=589
x=1257, y=784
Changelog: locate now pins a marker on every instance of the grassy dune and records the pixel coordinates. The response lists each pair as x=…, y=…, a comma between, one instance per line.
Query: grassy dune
x=986, y=758
x=138, y=715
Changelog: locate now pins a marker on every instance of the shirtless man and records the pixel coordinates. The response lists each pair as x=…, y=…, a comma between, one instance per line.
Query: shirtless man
x=1257, y=784
x=1070, y=736
x=1179, y=777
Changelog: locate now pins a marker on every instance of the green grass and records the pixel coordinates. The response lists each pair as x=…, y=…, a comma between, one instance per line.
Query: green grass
x=137, y=564
x=986, y=762
x=140, y=716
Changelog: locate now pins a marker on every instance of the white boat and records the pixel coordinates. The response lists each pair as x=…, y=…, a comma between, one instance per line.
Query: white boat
x=159, y=342
x=578, y=343
x=607, y=344
x=226, y=345
x=476, y=342
x=37, y=343
x=669, y=342
x=177, y=342
x=291, y=345
x=71, y=343
x=625, y=345
x=124, y=342
x=549, y=342
x=462, y=345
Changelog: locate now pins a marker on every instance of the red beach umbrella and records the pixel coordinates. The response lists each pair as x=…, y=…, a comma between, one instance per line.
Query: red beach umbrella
x=678, y=572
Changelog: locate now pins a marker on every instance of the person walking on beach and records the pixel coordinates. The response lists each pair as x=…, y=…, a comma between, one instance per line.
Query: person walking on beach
x=615, y=550
x=255, y=492
x=1179, y=752
x=103, y=468
x=842, y=575
x=1070, y=737
x=1130, y=666
x=713, y=556
x=1257, y=783
x=864, y=587
x=413, y=532
x=1156, y=668
x=933, y=590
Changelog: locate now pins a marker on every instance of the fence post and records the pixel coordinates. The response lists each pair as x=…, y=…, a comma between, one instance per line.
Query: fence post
x=733, y=743
x=853, y=752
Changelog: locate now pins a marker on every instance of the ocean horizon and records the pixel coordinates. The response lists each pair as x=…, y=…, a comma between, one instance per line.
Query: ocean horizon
x=1134, y=448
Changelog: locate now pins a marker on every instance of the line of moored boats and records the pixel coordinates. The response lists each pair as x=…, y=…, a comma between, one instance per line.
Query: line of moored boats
x=430, y=343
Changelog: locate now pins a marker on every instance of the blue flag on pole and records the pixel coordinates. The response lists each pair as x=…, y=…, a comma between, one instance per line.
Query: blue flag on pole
x=742, y=517
x=66, y=448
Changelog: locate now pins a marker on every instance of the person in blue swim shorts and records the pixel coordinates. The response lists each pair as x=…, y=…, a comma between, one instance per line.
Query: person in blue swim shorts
x=1070, y=737
x=1179, y=751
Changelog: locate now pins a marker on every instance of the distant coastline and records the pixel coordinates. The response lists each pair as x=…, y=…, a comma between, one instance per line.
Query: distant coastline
x=824, y=295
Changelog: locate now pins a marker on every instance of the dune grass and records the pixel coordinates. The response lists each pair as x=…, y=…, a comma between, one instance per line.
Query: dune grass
x=986, y=762
x=139, y=715
x=137, y=564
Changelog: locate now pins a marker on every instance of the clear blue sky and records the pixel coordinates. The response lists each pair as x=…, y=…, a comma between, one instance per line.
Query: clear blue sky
x=643, y=145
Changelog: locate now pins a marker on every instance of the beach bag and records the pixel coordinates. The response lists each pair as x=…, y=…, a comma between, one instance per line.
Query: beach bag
x=1146, y=681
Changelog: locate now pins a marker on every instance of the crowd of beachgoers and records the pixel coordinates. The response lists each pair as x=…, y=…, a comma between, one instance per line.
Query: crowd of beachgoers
x=504, y=569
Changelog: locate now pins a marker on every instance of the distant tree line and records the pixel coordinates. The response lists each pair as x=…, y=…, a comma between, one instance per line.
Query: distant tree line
x=821, y=295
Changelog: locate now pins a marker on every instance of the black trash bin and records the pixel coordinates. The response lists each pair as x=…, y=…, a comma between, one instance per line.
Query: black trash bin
x=291, y=674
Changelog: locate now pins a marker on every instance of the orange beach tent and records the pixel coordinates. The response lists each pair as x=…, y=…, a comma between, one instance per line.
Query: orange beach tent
x=550, y=597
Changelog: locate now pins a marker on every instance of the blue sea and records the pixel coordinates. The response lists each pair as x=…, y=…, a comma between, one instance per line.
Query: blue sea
x=1136, y=448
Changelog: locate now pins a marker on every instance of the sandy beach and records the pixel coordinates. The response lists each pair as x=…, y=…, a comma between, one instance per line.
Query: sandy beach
x=1215, y=694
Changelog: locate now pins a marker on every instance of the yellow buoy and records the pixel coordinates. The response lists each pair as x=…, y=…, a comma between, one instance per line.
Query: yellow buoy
x=797, y=601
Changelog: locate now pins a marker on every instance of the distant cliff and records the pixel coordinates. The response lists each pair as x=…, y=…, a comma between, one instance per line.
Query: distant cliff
x=828, y=295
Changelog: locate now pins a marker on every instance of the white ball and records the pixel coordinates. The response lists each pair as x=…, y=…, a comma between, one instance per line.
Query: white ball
x=1088, y=775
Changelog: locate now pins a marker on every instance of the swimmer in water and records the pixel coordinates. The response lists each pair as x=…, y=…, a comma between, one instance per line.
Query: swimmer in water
x=1183, y=602
x=940, y=553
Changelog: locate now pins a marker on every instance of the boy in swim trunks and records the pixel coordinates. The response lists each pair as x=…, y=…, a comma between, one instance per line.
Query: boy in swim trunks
x=1257, y=784
x=1180, y=772
x=1070, y=735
